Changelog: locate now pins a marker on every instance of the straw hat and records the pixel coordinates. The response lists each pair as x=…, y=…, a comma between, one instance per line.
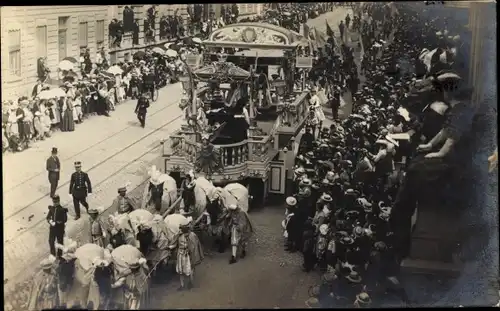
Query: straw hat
x=48, y=262
x=291, y=201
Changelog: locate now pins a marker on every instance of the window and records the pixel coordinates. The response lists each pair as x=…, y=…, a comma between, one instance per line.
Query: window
x=83, y=33
x=14, y=41
x=41, y=41
x=99, y=34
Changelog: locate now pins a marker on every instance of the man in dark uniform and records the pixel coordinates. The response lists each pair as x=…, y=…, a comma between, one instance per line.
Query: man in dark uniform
x=149, y=80
x=142, y=109
x=79, y=187
x=57, y=218
x=53, y=167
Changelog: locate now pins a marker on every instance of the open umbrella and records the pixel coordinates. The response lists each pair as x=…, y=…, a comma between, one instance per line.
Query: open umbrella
x=174, y=47
x=52, y=93
x=66, y=65
x=171, y=53
x=45, y=94
x=71, y=59
x=115, y=70
x=139, y=54
x=70, y=74
x=158, y=50
x=188, y=41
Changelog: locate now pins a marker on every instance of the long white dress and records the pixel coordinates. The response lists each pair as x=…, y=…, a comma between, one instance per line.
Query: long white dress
x=315, y=103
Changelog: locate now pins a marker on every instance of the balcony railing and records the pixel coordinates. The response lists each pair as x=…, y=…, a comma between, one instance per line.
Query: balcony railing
x=233, y=154
x=180, y=146
x=259, y=147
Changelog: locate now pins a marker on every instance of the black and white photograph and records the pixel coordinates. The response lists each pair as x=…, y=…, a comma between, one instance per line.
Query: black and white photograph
x=250, y=155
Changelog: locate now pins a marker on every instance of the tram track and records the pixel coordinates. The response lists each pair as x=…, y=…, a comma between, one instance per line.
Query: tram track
x=97, y=166
x=86, y=149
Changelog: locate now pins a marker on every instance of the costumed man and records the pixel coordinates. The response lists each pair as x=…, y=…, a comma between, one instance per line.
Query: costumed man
x=44, y=293
x=187, y=191
x=97, y=229
x=241, y=231
x=142, y=109
x=57, y=218
x=122, y=203
x=53, y=167
x=189, y=255
x=79, y=187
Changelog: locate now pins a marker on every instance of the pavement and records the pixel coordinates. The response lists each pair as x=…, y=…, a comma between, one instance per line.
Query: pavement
x=113, y=151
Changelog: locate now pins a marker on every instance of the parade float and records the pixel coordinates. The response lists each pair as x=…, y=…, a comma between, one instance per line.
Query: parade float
x=256, y=62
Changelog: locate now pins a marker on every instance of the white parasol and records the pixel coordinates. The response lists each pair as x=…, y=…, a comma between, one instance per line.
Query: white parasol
x=171, y=53
x=158, y=50
x=115, y=70
x=66, y=65
x=57, y=92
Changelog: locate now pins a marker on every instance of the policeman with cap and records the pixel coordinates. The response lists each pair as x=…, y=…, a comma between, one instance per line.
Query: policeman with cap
x=142, y=109
x=57, y=218
x=79, y=187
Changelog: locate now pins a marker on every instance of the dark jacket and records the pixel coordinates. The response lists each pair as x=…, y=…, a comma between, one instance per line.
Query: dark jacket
x=58, y=214
x=142, y=105
x=80, y=182
x=52, y=165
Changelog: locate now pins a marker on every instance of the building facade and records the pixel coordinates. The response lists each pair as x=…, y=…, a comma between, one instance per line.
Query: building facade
x=55, y=32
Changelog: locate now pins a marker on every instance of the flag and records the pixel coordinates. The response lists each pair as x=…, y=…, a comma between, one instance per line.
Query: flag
x=320, y=38
x=306, y=30
x=329, y=31
x=312, y=34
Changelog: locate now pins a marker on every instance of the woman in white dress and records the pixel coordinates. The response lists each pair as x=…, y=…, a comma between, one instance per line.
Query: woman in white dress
x=45, y=117
x=315, y=105
x=77, y=108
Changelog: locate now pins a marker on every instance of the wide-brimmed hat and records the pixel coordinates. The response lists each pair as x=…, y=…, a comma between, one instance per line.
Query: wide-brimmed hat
x=291, y=201
x=48, y=263
x=94, y=211
x=305, y=182
x=363, y=299
x=326, y=197
x=353, y=277
x=300, y=171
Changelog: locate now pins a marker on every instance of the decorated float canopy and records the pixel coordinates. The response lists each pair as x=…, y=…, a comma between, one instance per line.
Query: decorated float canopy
x=254, y=36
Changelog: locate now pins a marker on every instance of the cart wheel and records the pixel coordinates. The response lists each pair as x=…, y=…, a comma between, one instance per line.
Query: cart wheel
x=156, y=94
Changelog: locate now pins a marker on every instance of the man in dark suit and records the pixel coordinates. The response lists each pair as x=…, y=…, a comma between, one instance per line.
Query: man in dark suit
x=57, y=218
x=53, y=167
x=79, y=187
